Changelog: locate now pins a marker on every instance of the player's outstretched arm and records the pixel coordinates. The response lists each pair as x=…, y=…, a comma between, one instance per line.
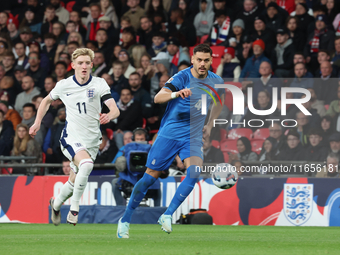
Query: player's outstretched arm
x=165, y=95
x=44, y=106
x=114, y=112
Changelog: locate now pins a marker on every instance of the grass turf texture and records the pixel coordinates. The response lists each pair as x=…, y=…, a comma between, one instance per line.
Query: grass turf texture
x=149, y=239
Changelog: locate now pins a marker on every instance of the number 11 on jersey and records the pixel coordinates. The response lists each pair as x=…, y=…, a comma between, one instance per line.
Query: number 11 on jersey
x=79, y=107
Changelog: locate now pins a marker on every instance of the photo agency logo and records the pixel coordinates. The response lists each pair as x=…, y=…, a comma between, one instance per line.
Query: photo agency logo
x=239, y=104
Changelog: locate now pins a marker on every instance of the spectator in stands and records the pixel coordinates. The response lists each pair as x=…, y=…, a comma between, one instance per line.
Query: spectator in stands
x=211, y=155
x=158, y=44
x=20, y=51
x=112, y=32
x=321, y=38
x=65, y=57
x=140, y=94
x=71, y=27
x=75, y=17
x=266, y=82
x=245, y=152
x=317, y=104
x=103, y=44
x=2, y=71
x=183, y=65
x=230, y=65
x=275, y=131
x=323, y=55
x=107, y=150
x=334, y=143
x=29, y=91
x=303, y=127
x=3, y=20
x=274, y=19
x=50, y=48
x=51, y=146
x=7, y=86
x=66, y=166
x=129, y=39
x=304, y=17
x=10, y=114
x=250, y=11
x=336, y=57
x=37, y=73
x=119, y=80
x=108, y=10
x=295, y=33
x=93, y=23
x=25, y=145
x=109, y=80
x=62, y=14
x=145, y=32
x=125, y=59
x=6, y=134
x=8, y=61
x=13, y=26
x=58, y=29
x=99, y=65
x=134, y=13
x=326, y=88
x=316, y=151
x=204, y=20
x=19, y=73
x=49, y=84
x=75, y=37
x=220, y=29
x=237, y=35
x=60, y=70
x=176, y=54
x=50, y=18
x=269, y=150
x=327, y=127
x=251, y=68
x=302, y=78
x=31, y=20
x=131, y=113
x=72, y=46
x=127, y=138
x=283, y=54
x=332, y=167
x=49, y=117
x=294, y=150
x=34, y=46
x=28, y=118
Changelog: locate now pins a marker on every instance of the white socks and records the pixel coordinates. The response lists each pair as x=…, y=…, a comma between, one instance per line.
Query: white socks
x=85, y=168
x=66, y=192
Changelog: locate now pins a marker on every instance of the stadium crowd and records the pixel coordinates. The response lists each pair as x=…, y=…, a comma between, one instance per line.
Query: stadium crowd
x=140, y=44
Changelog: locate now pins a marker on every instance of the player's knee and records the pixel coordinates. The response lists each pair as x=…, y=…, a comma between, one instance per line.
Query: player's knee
x=86, y=166
x=153, y=173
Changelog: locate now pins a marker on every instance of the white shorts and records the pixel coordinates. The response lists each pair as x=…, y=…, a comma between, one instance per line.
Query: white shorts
x=70, y=147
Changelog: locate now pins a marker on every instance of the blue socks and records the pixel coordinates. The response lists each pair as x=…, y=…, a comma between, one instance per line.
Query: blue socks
x=184, y=189
x=138, y=193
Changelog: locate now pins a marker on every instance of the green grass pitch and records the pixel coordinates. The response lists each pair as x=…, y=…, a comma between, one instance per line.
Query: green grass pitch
x=149, y=239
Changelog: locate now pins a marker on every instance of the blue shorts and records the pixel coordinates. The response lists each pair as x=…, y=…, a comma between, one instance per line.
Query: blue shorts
x=164, y=151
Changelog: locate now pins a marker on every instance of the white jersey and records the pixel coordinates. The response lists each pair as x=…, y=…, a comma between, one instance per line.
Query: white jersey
x=83, y=105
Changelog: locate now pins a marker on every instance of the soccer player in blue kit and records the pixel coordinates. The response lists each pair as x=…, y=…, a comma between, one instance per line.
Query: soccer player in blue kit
x=180, y=133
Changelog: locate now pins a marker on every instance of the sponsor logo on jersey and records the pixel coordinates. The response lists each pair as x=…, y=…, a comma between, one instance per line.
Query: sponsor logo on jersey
x=170, y=80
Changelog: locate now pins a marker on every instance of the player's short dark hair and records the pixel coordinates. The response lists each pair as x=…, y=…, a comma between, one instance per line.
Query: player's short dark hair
x=315, y=131
x=203, y=48
x=60, y=63
x=29, y=105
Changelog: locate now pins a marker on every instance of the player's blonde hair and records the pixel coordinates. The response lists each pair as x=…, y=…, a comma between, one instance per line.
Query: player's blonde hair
x=82, y=52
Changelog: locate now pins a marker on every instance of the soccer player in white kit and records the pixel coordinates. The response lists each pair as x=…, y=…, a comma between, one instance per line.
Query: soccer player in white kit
x=82, y=95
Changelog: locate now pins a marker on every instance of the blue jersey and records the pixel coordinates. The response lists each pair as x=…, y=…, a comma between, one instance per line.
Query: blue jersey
x=182, y=119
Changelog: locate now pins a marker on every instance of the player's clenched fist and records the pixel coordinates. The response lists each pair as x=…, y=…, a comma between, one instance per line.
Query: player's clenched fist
x=184, y=93
x=34, y=129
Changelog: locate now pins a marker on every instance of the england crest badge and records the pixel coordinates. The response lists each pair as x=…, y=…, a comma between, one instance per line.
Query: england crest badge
x=90, y=94
x=298, y=202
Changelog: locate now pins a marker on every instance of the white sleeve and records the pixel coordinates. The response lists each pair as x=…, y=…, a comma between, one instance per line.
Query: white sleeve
x=104, y=88
x=56, y=91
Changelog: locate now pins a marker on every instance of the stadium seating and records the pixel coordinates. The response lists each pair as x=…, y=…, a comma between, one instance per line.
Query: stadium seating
x=256, y=145
x=109, y=133
x=261, y=133
x=215, y=143
x=229, y=146
x=223, y=134
x=218, y=52
x=234, y=134
x=8, y=170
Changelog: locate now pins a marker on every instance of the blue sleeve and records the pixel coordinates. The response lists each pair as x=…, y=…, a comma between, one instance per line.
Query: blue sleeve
x=177, y=81
x=47, y=141
x=119, y=153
